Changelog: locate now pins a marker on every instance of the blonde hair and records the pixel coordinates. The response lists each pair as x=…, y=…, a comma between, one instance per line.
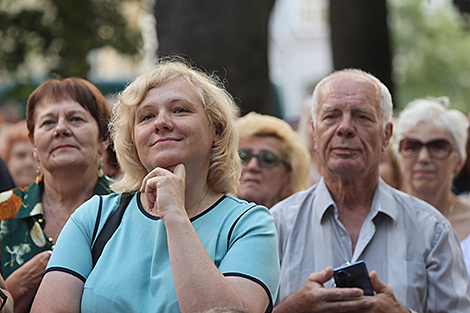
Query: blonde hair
x=294, y=152
x=224, y=169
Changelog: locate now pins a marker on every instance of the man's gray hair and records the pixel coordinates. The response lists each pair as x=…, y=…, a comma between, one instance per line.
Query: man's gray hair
x=386, y=105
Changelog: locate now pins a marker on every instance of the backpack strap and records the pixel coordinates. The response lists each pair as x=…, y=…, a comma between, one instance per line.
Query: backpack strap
x=110, y=226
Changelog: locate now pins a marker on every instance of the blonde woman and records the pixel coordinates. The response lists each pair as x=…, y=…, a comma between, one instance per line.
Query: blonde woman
x=183, y=243
x=275, y=164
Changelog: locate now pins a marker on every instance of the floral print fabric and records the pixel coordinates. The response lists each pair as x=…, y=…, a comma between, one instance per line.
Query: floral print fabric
x=22, y=224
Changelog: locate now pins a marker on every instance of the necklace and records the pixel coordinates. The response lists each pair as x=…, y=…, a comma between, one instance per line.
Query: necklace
x=48, y=206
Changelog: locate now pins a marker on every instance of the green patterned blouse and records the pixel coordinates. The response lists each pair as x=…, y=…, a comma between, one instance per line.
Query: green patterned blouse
x=22, y=224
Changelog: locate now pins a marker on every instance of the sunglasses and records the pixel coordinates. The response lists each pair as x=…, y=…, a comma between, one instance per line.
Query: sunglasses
x=266, y=159
x=439, y=149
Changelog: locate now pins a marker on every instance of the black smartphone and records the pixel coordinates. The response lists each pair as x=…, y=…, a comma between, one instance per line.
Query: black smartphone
x=354, y=275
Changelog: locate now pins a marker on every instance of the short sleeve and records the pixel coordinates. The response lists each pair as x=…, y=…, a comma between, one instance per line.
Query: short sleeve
x=446, y=273
x=72, y=253
x=252, y=250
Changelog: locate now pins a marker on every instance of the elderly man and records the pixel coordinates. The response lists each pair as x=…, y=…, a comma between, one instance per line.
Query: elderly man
x=351, y=214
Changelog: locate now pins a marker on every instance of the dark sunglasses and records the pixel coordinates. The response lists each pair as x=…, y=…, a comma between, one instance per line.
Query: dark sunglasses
x=266, y=159
x=438, y=148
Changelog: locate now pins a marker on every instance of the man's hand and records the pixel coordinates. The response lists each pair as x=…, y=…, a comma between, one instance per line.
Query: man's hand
x=312, y=296
x=384, y=301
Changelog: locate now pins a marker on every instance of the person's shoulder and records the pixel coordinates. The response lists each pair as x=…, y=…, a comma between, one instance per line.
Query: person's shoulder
x=238, y=205
x=294, y=202
x=11, y=204
x=415, y=203
x=109, y=201
x=232, y=209
x=411, y=207
x=103, y=186
x=102, y=203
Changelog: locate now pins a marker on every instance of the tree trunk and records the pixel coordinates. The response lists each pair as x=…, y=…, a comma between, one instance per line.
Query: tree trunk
x=360, y=37
x=229, y=37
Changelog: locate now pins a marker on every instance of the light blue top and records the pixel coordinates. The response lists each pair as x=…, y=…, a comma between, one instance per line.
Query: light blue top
x=413, y=248
x=134, y=274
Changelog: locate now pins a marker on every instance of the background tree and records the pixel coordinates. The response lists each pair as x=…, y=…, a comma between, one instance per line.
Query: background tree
x=56, y=36
x=360, y=37
x=431, y=52
x=62, y=33
x=229, y=37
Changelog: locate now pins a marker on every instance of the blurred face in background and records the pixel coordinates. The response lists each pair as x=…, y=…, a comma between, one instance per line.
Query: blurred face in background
x=428, y=160
x=265, y=178
x=21, y=163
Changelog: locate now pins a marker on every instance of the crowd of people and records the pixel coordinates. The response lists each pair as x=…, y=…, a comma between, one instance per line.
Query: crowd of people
x=173, y=202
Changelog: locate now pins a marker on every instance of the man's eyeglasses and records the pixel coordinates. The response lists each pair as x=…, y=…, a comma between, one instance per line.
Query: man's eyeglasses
x=266, y=159
x=439, y=149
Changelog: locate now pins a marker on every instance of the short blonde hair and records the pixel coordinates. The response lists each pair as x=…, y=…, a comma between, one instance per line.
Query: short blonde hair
x=224, y=169
x=294, y=152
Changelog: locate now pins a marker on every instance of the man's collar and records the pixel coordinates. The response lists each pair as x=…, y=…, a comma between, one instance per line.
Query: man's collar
x=382, y=202
x=323, y=200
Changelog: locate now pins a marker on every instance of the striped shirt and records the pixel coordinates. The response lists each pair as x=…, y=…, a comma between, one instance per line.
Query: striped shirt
x=410, y=244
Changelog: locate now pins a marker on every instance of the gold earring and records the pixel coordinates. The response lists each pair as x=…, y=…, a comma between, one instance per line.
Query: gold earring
x=38, y=172
x=100, y=168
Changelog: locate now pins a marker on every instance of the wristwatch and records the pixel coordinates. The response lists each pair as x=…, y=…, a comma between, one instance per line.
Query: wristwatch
x=4, y=298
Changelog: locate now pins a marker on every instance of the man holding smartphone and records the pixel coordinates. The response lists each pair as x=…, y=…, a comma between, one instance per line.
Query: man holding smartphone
x=351, y=214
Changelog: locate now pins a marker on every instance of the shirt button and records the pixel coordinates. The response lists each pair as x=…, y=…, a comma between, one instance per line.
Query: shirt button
x=51, y=240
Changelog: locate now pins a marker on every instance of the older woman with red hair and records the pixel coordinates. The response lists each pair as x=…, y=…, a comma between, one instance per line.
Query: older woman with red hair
x=17, y=152
x=67, y=122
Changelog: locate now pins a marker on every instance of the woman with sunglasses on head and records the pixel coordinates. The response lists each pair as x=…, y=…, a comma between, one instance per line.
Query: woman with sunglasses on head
x=275, y=164
x=431, y=151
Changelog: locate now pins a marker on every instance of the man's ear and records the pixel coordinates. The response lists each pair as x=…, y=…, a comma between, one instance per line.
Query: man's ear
x=312, y=129
x=388, y=132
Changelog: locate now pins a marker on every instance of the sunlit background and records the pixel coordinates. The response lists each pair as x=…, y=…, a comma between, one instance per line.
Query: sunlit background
x=110, y=42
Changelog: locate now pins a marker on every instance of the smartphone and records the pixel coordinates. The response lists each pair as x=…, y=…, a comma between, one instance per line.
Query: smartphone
x=354, y=275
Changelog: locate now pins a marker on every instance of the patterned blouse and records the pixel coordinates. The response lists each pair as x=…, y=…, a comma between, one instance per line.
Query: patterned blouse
x=22, y=224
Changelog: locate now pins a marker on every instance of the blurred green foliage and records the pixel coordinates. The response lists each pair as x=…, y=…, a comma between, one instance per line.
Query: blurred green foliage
x=431, y=48
x=60, y=33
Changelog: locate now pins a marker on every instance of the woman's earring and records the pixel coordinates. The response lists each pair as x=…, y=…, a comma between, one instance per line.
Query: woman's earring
x=100, y=168
x=38, y=173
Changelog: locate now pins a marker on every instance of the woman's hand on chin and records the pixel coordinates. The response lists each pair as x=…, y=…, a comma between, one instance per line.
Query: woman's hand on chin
x=164, y=190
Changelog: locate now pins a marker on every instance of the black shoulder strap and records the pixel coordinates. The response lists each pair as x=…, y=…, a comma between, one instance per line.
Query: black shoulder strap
x=110, y=226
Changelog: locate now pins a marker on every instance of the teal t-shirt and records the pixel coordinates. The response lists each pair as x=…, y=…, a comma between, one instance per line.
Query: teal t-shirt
x=133, y=273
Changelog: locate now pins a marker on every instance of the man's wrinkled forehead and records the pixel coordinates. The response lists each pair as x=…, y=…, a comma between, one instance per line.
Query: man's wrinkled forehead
x=349, y=86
